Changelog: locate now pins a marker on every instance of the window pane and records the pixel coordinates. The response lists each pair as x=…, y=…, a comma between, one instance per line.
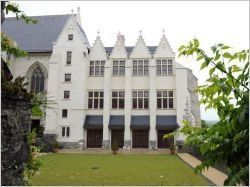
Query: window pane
x=114, y=94
x=140, y=103
x=134, y=103
x=170, y=93
x=171, y=103
x=122, y=63
x=134, y=93
x=158, y=62
x=135, y=62
x=169, y=61
x=158, y=103
x=97, y=63
x=70, y=37
x=67, y=132
x=64, y=113
x=91, y=63
x=102, y=70
x=115, y=63
x=158, y=93
x=145, y=103
x=170, y=69
x=164, y=62
x=63, y=131
x=91, y=70
x=115, y=70
x=90, y=103
x=165, y=94
x=90, y=94
x=121, y=103
x=164, y=69
x=140, y=70
x=134, y=70
x=145, y=62
x=66, y=94
x=140, y=94
x=102, y=63
x=67, y=77
x=146, y=94
x=122, y=70
x=101, y=103
x=101, y=94
x=165, y=101
x=158, y=69
x=95, y=103
x=96, y=94
x=140, y=62
x=114, y=103
x=97, y=70
x=121, y=94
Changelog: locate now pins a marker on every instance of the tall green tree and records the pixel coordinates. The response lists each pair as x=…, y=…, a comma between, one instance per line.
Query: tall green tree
x=227, y=91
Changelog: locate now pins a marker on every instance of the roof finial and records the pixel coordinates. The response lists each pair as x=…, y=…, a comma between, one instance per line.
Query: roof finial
x=72, y=11
x=163, y=31
x=140, y=32
x=98, y=33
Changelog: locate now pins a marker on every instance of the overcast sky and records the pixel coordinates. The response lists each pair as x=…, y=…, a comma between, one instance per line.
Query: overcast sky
x=209, y=21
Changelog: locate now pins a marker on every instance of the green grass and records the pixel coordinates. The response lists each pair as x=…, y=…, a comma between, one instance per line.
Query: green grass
x=82, y=169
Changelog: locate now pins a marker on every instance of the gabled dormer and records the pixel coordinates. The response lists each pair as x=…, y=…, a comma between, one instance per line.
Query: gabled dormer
x=119, y=50
x=140, y=50
x=164, y=50
x=98, y=51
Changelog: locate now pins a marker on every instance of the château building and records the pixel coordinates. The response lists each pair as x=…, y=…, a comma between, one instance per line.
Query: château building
x=131, y=94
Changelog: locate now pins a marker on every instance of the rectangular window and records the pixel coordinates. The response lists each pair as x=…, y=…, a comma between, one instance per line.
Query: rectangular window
x=69, y=57
x=65, y=131
x=70, y=37
x=66, y=94
x=165, y=99
x=64, y=113
x=164, y=67
x=95, y=100
x=119, y=68
x=140, y=99
x=140, y=67
x=118, y=98
x=67, y=77
x=96, y=68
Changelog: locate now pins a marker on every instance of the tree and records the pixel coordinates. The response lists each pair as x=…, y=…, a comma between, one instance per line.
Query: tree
x=227, y=91
x=203, y=124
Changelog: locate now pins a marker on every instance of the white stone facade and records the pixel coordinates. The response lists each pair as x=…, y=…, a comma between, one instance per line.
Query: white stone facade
x=81, y=83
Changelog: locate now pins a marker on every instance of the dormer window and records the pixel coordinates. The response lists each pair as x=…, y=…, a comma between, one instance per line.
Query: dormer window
x=70, y=37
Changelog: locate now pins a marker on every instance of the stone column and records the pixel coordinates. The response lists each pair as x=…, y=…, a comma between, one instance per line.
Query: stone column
x=106, y=105
x=128, y=104
x=152, y=103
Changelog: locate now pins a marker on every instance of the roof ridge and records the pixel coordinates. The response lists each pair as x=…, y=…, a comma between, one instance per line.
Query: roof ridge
x=43, y=15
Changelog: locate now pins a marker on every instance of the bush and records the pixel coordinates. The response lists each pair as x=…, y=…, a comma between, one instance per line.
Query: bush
x=114, y=146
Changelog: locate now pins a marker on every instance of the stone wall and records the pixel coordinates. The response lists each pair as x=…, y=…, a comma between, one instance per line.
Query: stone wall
x=192, y=83
x=15, y=126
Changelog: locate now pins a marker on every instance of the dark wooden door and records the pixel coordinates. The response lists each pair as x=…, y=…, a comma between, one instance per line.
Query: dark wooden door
x=118, y=135
x=94, y=138
x=164, y=143
x=140, y=138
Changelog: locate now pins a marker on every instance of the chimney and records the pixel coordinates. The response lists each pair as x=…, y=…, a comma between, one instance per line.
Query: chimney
x=78, y=17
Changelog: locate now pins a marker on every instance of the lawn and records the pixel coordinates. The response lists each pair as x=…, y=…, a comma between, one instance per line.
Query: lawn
x=82, y=169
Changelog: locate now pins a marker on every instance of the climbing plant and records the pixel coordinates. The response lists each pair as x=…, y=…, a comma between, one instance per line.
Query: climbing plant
x=227, y=91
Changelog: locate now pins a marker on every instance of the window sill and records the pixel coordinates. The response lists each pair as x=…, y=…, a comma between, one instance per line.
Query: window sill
x=165, y=109
x=65, y=99
x=67, y=64
x=165, y=75
x=96, y=75
x=67, y=82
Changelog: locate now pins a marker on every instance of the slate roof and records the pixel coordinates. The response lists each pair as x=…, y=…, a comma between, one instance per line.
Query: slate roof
x=37, y=37
x=129, y=49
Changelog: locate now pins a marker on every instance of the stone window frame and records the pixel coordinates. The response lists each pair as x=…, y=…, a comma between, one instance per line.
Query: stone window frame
x=119, y=97
x=96, y=68
x=140, y=100
x=70, y=37
x=65, y=131
x=30, y=71
x=164, y=97
x=95, y=99
x=67, y=79
x=68, y=57
x=64, y=115
x=120, y=65
x=140, y=67
x=66, y=94
x=164, y=67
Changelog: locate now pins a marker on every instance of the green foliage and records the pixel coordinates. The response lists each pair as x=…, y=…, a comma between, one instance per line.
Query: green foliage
x=204, y=124
x=14, y=8
x=33, y=164
x=55, y=145
x=226, y=90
